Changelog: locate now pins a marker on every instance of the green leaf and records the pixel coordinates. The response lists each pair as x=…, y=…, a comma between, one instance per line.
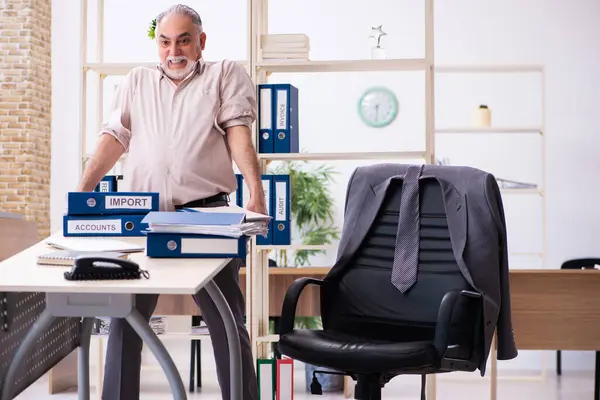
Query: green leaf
x=152, y=29
x=312, y=206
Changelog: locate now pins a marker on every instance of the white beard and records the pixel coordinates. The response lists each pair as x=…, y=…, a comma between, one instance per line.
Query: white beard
x=179, y=74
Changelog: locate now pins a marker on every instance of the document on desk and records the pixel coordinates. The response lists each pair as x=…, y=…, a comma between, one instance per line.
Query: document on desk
x=96, y=244
x=221, y=221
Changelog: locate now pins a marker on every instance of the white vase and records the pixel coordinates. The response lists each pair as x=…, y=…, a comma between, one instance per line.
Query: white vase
x=377, y=53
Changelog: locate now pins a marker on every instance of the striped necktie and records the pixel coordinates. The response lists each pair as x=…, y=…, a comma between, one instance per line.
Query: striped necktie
x=406, y=252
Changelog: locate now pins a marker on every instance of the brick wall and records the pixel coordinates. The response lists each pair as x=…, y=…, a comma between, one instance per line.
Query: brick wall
x=25, y=109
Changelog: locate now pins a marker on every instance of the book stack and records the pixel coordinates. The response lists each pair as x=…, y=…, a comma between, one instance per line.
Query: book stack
x=216, y=232
x=293, y=46
x=108, y=213
x=158, y=324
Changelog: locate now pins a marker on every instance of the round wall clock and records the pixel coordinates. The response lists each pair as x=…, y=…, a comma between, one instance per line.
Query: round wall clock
x=378, y=107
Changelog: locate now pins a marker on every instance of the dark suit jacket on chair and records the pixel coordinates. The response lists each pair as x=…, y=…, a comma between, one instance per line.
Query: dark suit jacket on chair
x=477, y=227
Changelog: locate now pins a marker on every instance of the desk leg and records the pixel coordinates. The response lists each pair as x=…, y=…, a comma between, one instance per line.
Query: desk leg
x=140, y=325
x=83, y=363
x=233, y=339
x=43, y=323
x=116, y=305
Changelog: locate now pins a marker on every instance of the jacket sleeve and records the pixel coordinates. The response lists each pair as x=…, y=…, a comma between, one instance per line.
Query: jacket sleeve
x=118, y=123
x=507, y=348
x=238, y=97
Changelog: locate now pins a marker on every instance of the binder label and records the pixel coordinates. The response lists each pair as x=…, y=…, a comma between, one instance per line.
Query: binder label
x=267, y=192
x=104, y=186
x=265, y=110
x=282, y=107
x=130, y=202
x=280, y=201
x=91, y=226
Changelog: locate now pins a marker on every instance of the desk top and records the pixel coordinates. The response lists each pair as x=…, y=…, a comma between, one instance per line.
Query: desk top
x=21, y=273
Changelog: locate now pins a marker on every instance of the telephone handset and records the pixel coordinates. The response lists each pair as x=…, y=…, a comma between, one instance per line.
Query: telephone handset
x=104, y=268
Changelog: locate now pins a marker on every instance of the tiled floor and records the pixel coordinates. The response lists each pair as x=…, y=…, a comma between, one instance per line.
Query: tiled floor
x=571, y=386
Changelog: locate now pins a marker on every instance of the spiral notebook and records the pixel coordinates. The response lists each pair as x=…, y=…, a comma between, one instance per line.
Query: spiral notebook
x=67, y=257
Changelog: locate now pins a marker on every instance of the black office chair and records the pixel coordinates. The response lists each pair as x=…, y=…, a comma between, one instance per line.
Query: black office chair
x=581, y=263
x=372, y=332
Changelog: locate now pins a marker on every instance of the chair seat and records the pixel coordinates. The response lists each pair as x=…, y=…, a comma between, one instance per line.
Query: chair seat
x=357, y=355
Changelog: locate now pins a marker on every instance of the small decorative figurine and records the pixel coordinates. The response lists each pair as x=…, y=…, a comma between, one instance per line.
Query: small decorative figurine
x=377, y=52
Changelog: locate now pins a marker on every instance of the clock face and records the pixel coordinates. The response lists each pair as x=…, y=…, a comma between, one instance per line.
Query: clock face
x=378, y=107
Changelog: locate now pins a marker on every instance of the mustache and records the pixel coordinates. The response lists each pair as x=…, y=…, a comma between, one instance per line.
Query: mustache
x=177, y=58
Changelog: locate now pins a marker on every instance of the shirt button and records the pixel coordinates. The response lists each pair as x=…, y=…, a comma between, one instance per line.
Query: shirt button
x=168, y=171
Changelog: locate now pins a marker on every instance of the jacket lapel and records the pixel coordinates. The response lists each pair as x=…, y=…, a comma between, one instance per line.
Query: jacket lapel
x=364, y=216
x=456, y=213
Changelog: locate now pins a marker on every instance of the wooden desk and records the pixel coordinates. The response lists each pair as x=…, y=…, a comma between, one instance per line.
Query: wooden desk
x=556, y=309
x=16, y=234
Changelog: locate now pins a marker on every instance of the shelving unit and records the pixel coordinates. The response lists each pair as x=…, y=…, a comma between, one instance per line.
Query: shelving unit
x=261, y=71
x=257, y=270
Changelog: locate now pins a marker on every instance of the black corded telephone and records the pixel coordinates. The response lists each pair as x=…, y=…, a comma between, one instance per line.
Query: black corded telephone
x=104, y=268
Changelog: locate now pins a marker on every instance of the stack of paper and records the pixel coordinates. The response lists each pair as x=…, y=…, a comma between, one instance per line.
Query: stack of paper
x=202, y=233
x=285, y=46
x=225, y=221
x=508, y=184
x=157, y=323
x=95, y=244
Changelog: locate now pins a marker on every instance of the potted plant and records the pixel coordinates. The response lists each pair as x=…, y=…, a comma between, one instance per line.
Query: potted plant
x=312, y=209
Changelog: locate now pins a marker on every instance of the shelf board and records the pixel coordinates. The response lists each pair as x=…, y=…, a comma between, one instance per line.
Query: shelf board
x=417, y=64
x=124, y=68
x=484, y=130
x=295, y=247
x=379, y=155
x=116, y=68
x=491, y=68
x=267, y=339
x=522, y=191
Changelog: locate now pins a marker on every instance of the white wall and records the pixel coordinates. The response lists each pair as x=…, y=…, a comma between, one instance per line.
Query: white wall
x=558, y=34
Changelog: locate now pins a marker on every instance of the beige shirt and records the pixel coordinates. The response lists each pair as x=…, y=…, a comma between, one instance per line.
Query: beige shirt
x=174, y=136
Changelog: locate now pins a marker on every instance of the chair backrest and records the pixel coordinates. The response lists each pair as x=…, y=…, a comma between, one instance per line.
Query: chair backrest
x=365, y=303
x=580, y=263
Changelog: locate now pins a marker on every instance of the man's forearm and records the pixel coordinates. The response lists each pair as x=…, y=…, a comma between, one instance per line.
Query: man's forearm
x=105, y=157
x=244, y=155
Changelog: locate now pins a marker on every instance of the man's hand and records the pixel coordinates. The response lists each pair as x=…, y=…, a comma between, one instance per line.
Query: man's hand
x=257, y=203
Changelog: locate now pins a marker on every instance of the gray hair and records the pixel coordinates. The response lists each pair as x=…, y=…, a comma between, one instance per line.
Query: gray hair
x=182, y=9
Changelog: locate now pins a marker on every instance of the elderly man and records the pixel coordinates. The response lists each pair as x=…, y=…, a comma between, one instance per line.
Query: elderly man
x=181, y=124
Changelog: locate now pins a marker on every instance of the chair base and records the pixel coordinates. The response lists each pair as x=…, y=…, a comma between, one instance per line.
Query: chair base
x=368, y=387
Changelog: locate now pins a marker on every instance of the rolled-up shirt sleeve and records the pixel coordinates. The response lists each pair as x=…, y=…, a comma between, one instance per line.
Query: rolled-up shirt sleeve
x=118, y=123
x=238, y=97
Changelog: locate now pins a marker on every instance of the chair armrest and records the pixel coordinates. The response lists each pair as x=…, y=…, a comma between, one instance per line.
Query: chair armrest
x=288, y=310
x=459, y=324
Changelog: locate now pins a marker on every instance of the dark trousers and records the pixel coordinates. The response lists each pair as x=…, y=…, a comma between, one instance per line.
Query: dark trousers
x=123, y=354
